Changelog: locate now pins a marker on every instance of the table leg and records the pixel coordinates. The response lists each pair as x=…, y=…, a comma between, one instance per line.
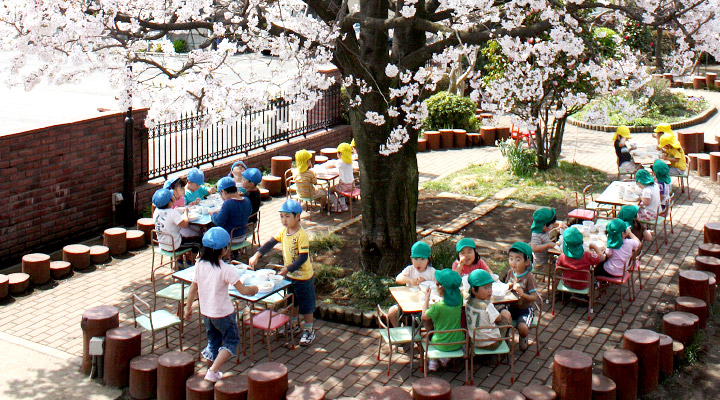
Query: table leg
x=412, y=343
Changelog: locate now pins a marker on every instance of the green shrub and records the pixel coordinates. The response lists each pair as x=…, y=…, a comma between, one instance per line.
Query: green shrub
x=605, y=38
x=522, y=160
x=448, y=111
x=180, y=46
x=366, y=289
x=325, y=241
x=146, y=212
x=325, y=277
x=443, y=255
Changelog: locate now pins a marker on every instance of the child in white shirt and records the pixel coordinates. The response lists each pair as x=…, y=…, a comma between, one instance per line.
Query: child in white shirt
x=344, y=166
x=414, y=274
x=650, y=197
x=480, y=311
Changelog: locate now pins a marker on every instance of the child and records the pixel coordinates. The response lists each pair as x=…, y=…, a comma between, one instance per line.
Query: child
x=673, y=152
x=210, y=285
x=196, y=189
x=344, y=166
x=574, y=257
x=419, y=271
x=445, y=314
x=305, y=180
x=544, y=221
x=169, y=225
x=236, y=171
x=621, y=242
x=251, y=178
x=177, y=185
x=522, y=283
x=480, y=311
x=649, y=198
x=628, y=214
x=622, y=150
x=234, y=212
x=468, y=259
x=660, y=130
x=297, y=267
x=663, y=181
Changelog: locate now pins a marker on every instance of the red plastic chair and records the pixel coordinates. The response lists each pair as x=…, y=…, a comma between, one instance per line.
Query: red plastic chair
x=351, y=194
x=580, y=213
x=625, y=279
x=270, y=320
x=518, y=135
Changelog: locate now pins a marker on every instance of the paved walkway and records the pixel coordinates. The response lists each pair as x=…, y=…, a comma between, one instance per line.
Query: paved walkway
x=343, y=358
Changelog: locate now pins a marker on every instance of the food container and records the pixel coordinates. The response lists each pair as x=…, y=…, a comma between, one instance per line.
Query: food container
x=265, y=287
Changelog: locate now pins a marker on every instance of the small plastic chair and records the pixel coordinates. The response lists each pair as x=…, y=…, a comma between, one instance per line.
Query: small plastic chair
x=350, y=195
x=246, y=244
x=173, y=255
x=535, y=323
x=625, y=279
x=518, y=135
x=667, y=212
x=307, y=202
x=393, y=336
x=684, y=178
x=270, y=320
x=559, y=285
x=579, y=213
x=503, y=349
x=174, y=292
x=431, y=351
x=155, y=320
x=653, y=224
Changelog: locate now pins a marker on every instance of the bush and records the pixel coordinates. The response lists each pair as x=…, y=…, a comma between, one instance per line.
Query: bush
x=326, y=277
x=522, y=160
x=448, y=111
x=325, y=241
x=606, y=40
x=366, y=289
x=443, y=255
x=180, y=46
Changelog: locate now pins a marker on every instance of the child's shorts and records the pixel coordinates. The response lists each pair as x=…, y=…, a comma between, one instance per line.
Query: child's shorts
x=522, y=315
x=222, y=333
x=304, y=292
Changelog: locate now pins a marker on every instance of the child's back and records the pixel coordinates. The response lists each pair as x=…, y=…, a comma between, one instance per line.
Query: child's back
x=446, y=314
x=481, y=313
x=167, y=228
x=233, y=214
x=213, y=284
x=576, y=259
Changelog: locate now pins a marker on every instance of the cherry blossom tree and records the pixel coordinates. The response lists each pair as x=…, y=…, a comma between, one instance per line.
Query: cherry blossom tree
x=402, y=51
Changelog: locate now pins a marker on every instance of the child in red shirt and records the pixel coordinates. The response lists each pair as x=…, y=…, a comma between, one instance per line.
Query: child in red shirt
x=576, y=258
x=468, y=260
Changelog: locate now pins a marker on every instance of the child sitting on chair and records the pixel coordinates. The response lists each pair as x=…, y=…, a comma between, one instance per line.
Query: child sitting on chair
x=649, y=198
x=673, y=152
x=177, y=185
x=662, y=179
x=344, y=166
x=628, y=214
x=480, y=311
x=575, y=258
x=234, y=212
x=621, y=243
x=468, y=259
x=251, y=178
x=419, y=271
x=622, y=150
x=445, y=314
x=305, y=179
x=196, y=189
x=169, y=226
x=522, y=283
x=544, y=222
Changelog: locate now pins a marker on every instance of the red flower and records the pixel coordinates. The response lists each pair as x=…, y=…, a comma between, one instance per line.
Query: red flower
x=626, y=37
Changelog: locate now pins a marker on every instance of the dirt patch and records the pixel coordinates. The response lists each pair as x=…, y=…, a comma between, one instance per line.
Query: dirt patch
x=433, y=211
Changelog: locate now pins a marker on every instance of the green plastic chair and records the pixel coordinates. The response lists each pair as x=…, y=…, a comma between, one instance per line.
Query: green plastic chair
x=537, y=317
x=684, y=178
x=503, y=349
x=653, y=225
x=393, y=336
x=559, y=285
x=155, y=320
x=173, y=255
x=430, y=351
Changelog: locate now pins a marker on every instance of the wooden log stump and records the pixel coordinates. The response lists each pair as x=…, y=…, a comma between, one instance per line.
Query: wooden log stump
x=447, y=138
x=645, y=344
x=146, y=225
x=96, y=322
x=264, y=194
x=433, y=139
x=680, y=326
x=712, y=282
x=320, y=159
x=468, y=393
x=267, y=381
x=694, y=284
x=460, y=138
x=121, y=346
x=116, y=240
x=572, y=375
x=668, y=77
x=78, y=255
x=37, y=266
x=431, y=388
x=502, y=132
x=233, y=387
x=711, y=146
x=693, y=305
x=278, y=166
x=18, y=282
x=708, y=264
x=4, y=286
x=389, y=393
x=272, y=184
x=678, y=352
x=329, y=152
x=603, y=388
x=710, y=79
x=709, y=250
x=506, y=394
x=538, y=392
x=711, y=232
x=703, y=164
x=699, y=141
x=422, y=145
x=474, y=139
x=135, y=239
x=687, y=142
x=488, y=135
x=693, y=161
x=699, y=82
x=143, y=377
x=60, y=269
x=305, y=392
x=714, y=164
x=621, y=366
x=99, y=254
x=174, y=369
x=197, y=388
x=666, y=356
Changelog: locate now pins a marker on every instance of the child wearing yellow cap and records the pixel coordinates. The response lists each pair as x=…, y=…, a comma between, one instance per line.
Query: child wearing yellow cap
x=673, y=152
x=305, y=179
x=622, y=150
x=344, y=166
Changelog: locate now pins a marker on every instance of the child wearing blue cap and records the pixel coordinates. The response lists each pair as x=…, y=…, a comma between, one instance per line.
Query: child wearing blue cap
x=234, y=212
x=419, y=271
x=170, y=226
x=236, y=171
x=297, y=267
x=210, y=286
x=196, y=189
x=251, y=178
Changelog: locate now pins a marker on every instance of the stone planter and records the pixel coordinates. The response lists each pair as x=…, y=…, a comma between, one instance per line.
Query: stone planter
x=698, y=82
x=710, y=78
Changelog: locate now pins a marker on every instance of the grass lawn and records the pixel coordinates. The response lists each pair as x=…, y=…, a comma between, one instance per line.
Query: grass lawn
x=545, y=188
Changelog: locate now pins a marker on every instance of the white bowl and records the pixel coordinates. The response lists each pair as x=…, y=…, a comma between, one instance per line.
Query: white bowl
x=588, y=223
x=276, y=278
x=427, y=284
x=265, y=272
x=264, y=287
x=193, y=216
x=498, y=295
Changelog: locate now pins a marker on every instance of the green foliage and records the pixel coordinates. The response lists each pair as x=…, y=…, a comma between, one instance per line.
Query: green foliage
x=491, y=61
x=146, y=212
x=180, y=46
x=522, y=160
x=638, y=37
x=325, y=241
x=448, y=111
x=607, y=40
x=442, y=255
x=326, y=277
x=345, y=104
x=365, y=289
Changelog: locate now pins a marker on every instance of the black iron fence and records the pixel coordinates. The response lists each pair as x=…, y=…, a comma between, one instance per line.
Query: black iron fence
x=177, y=145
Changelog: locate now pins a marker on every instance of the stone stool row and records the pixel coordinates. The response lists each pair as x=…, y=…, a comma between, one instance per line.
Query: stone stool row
x=438, y=389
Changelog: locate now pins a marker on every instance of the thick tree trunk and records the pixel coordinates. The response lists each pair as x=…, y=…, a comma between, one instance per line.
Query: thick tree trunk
x=548, y=139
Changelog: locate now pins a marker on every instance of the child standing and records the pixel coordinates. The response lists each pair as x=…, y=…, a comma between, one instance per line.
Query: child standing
x=196, y=189
x=650, y=196
x=305, y=179
x=234, y=212
x=522, y=283
x=544, y=221
x=480, y=311
x=210, y=285
x=621, y=242
x=445, y=314
x=468, y=259
x=419, y=271
x=662, y=179
x=344, y=166
x=673, y=152
x=177, y=185
x=170, y=224
x=622, y=150
x=574, y=257
x=297, y=267
x=251, y=178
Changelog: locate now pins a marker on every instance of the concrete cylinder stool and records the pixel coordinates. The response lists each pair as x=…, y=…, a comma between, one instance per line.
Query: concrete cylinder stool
x=710, y=79
x=506, y=394
x=273, y=184
x=305, y=392
x=268, y=381
x=174, y=369
x=60, y=269
x=233, y=387
x=96, y=322
x=680, y=326
x=687, y=142
x=329, y=152
x=711, y=232
x=645, y=344
x=37, y=265
x=703, y=164
x=698, y=82
x=135, y=239
x=447, y=138
x=99, y=254
x=473, y=139
x=572, y=375
x=4, y=286
x=422, y=145
x=699, y=141
x=116, y=240
x=143, y=377
x=431, y=388
x=538, y=392
x=264, y=194
x=433, y=140
x=707, y=263
x=460, y=138
x=468, y=393
x=678, y=352
x=488, y=135
x=603, y=388
x=693, y=306
x=18, y=282
x=320, y=159
x=709, y=249
x=121, y=346
x=694, y=284
x=666, y=356
x=197, y=388
x=389, y=393
x=78, y=255
x=622, y=367
x=146, y=225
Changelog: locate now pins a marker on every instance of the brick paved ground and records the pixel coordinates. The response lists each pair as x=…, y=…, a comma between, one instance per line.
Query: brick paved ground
x=343, y=358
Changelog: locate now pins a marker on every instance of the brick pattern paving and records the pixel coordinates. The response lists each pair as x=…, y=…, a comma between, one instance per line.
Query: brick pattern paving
x=343, y=359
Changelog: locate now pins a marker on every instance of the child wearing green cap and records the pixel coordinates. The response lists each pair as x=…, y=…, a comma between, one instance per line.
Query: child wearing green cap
x=480, y=311
x=468, y=259
x=544, y=222
x=662, y=179
x=621, y=242
x=575, y=258
x=650, y=196
x=419, y=271
x=445, y=314
x=522, y=283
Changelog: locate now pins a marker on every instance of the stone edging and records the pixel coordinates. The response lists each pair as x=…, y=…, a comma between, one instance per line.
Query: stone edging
x=698, y=119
